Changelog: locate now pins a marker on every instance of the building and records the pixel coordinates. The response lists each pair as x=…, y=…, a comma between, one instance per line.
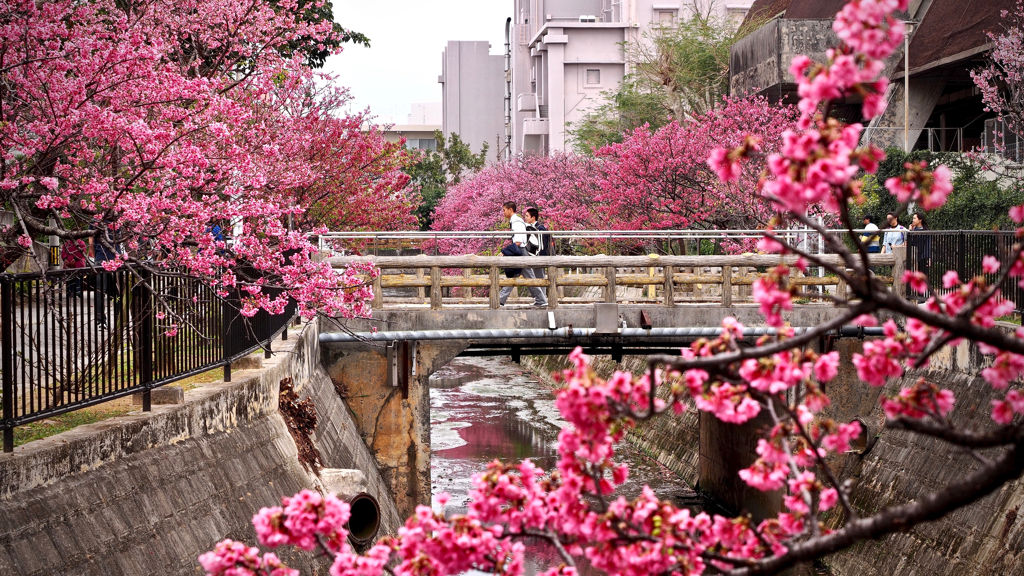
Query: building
x=472, y=95
x=947, y=41
x=423, y=120
x=565, y=53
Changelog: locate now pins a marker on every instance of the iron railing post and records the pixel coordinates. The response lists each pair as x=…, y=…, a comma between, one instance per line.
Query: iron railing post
x=7, y=350
x=146, y=336
x=961, y=255
x=225, y=325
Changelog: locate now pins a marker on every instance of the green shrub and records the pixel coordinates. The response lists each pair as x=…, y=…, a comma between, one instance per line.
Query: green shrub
x=978, y=202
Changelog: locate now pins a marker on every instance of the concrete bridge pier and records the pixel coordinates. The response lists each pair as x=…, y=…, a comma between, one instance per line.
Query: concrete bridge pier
x=392, y=411
x=725, y=449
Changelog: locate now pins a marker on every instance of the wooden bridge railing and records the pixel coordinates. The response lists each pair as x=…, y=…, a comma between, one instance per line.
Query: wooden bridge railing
x=666, y=272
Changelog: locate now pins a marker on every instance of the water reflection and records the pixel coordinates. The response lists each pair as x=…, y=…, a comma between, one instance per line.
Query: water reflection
x=488, y=408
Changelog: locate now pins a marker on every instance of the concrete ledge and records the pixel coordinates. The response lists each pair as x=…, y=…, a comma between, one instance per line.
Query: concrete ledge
x=250, y=362
x=165, y=395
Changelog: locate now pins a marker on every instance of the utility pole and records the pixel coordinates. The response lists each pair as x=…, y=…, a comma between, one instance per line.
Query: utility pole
x=908, y=26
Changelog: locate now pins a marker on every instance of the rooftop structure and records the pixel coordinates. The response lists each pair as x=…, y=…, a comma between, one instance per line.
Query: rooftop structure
x=423, y=120
x=948, y=40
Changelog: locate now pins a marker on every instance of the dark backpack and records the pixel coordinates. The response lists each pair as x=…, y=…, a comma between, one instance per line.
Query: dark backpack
x=534, y=242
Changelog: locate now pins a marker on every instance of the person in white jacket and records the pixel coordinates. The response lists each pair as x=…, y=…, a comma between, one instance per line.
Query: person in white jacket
x=519, y=239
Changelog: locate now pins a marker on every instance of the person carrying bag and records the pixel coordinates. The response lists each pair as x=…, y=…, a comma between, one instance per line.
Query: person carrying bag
x=517, y=248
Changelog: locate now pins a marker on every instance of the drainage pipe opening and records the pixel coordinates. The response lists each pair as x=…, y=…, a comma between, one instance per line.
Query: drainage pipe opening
x=364, y=520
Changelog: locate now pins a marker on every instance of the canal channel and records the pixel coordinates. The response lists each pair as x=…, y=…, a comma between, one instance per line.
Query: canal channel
x=487, y=408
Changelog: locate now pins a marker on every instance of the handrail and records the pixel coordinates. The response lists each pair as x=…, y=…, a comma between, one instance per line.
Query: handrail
x=474, y=261
x=431, y=234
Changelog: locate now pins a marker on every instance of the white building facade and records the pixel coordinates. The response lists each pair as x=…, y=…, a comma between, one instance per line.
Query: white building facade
x=423, y=119
x=472, y=95
x=565, y=53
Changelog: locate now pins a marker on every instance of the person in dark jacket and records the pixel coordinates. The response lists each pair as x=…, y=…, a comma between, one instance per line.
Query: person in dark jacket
x=921, y=243
x=105, y=282
x=920, y=250
x=546, y=246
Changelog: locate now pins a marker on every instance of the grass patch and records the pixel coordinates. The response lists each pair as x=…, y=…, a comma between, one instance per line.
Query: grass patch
x=1011, y=318
x=193, y=382
x=64, y=422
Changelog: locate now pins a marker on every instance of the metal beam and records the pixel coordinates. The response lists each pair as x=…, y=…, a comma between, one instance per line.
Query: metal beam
x=564, y=333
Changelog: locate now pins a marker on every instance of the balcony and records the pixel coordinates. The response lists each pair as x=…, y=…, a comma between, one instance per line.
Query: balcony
x=536, y=126
x=526, y=102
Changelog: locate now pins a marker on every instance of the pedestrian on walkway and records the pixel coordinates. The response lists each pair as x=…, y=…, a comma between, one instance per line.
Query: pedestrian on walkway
x=539, y=244
x=105, y=282
x=72, y=253
x=518, y=249
x=870, y=235
x=896, y=235
x=921, y=244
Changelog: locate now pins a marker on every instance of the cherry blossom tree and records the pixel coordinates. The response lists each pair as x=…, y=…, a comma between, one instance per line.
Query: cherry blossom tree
x=662, y=179
x=573, y=508
x=144, y=124
x=652, y=180
x=562, y=187
x=1002, y=80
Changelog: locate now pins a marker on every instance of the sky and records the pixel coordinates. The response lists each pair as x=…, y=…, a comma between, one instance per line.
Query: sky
x=406, y=39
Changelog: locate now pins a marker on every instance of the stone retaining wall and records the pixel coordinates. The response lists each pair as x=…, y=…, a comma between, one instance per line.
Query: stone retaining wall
x=983, y=538
x=147, y=493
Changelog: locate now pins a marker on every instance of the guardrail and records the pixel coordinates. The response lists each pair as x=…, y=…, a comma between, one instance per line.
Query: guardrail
x=936, y=251
x=75, y=338
x=665, y=277
x=666, y=242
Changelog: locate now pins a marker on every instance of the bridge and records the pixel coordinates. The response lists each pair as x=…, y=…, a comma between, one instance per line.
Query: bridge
x=428, y=309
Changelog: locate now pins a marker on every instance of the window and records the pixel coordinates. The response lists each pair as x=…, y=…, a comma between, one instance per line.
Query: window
x=428, y=144
x=593, y=76
x=736, y=13
x=666, y=17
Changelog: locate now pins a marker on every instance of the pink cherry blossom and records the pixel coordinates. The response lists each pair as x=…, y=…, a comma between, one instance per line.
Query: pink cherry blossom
x=989, y=264
x=918, y=281
x=826, y=367
x=1002, y=412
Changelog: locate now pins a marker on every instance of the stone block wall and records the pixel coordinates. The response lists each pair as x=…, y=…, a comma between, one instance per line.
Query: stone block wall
x=982, y=538
x=394, y=425
x=147, y=493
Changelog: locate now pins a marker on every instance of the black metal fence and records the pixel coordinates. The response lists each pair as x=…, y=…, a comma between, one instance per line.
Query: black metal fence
x=936, y=251
x=75, y=338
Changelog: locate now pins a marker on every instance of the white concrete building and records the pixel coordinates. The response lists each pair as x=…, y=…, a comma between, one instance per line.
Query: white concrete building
x=472, y=95
x=423, y=119
x=564, y=53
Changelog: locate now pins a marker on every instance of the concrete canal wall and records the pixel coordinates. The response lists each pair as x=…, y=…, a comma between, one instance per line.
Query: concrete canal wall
x=983, y=538
x=147, y=493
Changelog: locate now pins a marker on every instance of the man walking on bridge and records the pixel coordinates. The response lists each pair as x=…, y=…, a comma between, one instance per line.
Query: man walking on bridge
x=518, y=248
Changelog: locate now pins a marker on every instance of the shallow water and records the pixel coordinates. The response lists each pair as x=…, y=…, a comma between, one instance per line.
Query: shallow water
x=488, y=408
